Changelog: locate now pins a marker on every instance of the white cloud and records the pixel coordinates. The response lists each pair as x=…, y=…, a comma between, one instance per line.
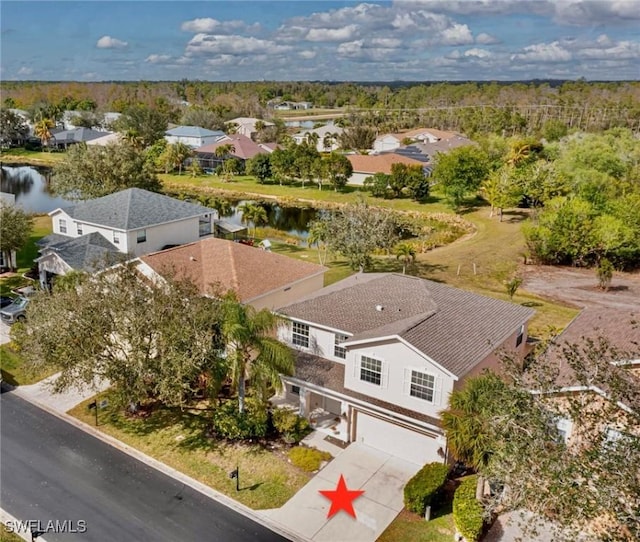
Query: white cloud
x=544, y=52
x=386, y=43
x=158, y=59
x=350, y=48
x=458, y=34
x=210, y=44
x=622, y=50
x=477, y=53
x=486, y=39
x=307, y=55
x=208, y=25
x=332, y=34
x=25, y=71
x=107, y=42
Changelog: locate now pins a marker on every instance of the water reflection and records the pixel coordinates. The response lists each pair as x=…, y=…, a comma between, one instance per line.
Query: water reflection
x=30, y=185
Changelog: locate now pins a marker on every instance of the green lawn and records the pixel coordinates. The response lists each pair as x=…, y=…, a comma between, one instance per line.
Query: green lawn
x=38, y=158
x=408, y=526
x=177, y=438
x=13, y=368
x=7, y=536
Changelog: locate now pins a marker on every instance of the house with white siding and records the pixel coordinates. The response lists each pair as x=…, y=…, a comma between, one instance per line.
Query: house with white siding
x=379, y=354
x=131, y=222
x=193, y=136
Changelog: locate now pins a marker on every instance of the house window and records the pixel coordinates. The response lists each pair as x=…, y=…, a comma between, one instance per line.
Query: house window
x=422, y=386
x=564, y=427
x=371, y=370
x=520, y=337
x=339, y=351
x=295, y=390
x=204, y=226
x=79, y=228
x=62, y=225
x=300, y=335
x=142, y=236
x=116, y=238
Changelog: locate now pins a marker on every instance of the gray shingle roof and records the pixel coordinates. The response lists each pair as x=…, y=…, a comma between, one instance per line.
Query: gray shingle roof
x=193, y=131
x=133, y=209
x=456, y=328
x=88, y=252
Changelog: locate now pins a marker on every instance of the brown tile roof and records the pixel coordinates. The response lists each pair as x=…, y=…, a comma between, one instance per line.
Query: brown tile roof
x=379, y=163
x=441, y=134
x=330, y=375
x=456, y=328
x=621, y=329
x=250, y=271
x=245, y=147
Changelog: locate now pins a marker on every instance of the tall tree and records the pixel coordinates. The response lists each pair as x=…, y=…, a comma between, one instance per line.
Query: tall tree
x=260, y=167
x=148, y=339
x=253, y=214
x=15, y=229
x=253, y=353
x=148, y=123
x=337, y=168
x=319, y=236
x=93, y=171
x=42, y=130
x=460, y=172
x=502, y=190
x=406, y=253
x=13, y=128
x=357, y=230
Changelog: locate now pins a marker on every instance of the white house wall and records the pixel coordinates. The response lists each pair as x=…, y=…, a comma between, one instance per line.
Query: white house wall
x=194, y=142
x=72, y=231
x=357, y=178
x=172, y=233
x=321, y=342
x=388, y=143
x=397, y=361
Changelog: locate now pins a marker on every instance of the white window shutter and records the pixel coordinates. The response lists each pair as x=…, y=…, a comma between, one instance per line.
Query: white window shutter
x=437, y=392
x=356, y=367
x=407, y=381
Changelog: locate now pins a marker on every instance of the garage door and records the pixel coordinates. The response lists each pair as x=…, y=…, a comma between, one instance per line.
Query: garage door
x=396, y=440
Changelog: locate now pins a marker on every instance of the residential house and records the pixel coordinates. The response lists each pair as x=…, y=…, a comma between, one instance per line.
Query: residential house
x=366, y=165
x=326, y=137
x=107, y=139
x=246, y=126
x=244, y=148
x=379, y=354
x=260, y=278
x=286, y=105
x=193, y=136
x=391, y=142
x=62, y=139
x=621, y=329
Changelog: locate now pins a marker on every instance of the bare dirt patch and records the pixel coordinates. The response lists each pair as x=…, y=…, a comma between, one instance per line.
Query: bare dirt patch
x=579, y=287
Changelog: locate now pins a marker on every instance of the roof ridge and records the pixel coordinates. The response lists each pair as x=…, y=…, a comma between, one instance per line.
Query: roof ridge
x=127, y=206
x=234, y=271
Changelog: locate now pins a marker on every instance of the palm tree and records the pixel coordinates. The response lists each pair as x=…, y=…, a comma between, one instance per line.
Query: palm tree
x=312, y=139
x=319, y=236
x=253, y=353
x=223, y=152
x=253, y=214
x=133, y=138
x=328, y=140
x=42, y=130
x=406, y=253
x=180, y=153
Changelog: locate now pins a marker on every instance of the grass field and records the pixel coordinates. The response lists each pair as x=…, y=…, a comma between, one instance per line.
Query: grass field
x=13, y=368
x=8, y=536
x=177, y=438
x=38, y=158
x=412, y=527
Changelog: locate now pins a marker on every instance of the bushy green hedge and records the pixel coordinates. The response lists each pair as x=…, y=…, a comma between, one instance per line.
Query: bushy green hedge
x=229, y=423
x=467, y=510
x=287, y=423
x=308, y=459
x=422, y=489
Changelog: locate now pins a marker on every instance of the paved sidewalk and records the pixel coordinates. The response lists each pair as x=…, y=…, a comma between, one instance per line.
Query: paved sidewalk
x=41, y=394
x=380, y=475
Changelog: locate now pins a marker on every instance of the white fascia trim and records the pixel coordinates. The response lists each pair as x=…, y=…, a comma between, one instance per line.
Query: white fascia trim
x=594, y=389
x=57, y=257
x=408, y=345
x=361, y=404
x=313, y=324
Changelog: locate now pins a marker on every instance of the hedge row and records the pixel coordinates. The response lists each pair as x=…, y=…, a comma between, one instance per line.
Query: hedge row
x=422, y=489
x=467, y=510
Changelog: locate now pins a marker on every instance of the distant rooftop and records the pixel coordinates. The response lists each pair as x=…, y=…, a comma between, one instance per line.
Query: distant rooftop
x=193, y=131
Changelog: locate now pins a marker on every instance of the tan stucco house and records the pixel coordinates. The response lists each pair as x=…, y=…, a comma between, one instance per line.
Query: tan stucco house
x=378, y=355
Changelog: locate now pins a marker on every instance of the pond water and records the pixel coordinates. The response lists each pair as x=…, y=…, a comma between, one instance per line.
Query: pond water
x=30, y=185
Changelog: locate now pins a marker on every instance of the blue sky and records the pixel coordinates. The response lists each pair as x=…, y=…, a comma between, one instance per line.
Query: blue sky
x=235, y=40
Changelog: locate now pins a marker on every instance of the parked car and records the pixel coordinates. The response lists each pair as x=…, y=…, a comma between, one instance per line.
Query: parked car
x=5, y=300
x=16, y=311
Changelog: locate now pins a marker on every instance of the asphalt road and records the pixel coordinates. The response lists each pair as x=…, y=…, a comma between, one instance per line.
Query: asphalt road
x=50, y=470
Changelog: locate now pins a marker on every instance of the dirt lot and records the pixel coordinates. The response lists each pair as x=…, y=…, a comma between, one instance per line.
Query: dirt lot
x=579, y=287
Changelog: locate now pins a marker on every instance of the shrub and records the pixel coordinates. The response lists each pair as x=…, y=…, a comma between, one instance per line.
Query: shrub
x=229, y=423
x=308, y=459
x=423, y=488
x=467, y=510
x=292, y=427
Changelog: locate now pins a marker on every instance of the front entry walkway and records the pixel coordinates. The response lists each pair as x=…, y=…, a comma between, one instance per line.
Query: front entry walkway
x=380, y=475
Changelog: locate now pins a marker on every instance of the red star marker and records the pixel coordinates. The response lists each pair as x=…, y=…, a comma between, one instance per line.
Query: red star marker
x=341, y=498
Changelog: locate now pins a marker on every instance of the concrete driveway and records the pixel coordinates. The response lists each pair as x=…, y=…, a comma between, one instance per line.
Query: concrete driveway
x=380, y=475
x=4, y=333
